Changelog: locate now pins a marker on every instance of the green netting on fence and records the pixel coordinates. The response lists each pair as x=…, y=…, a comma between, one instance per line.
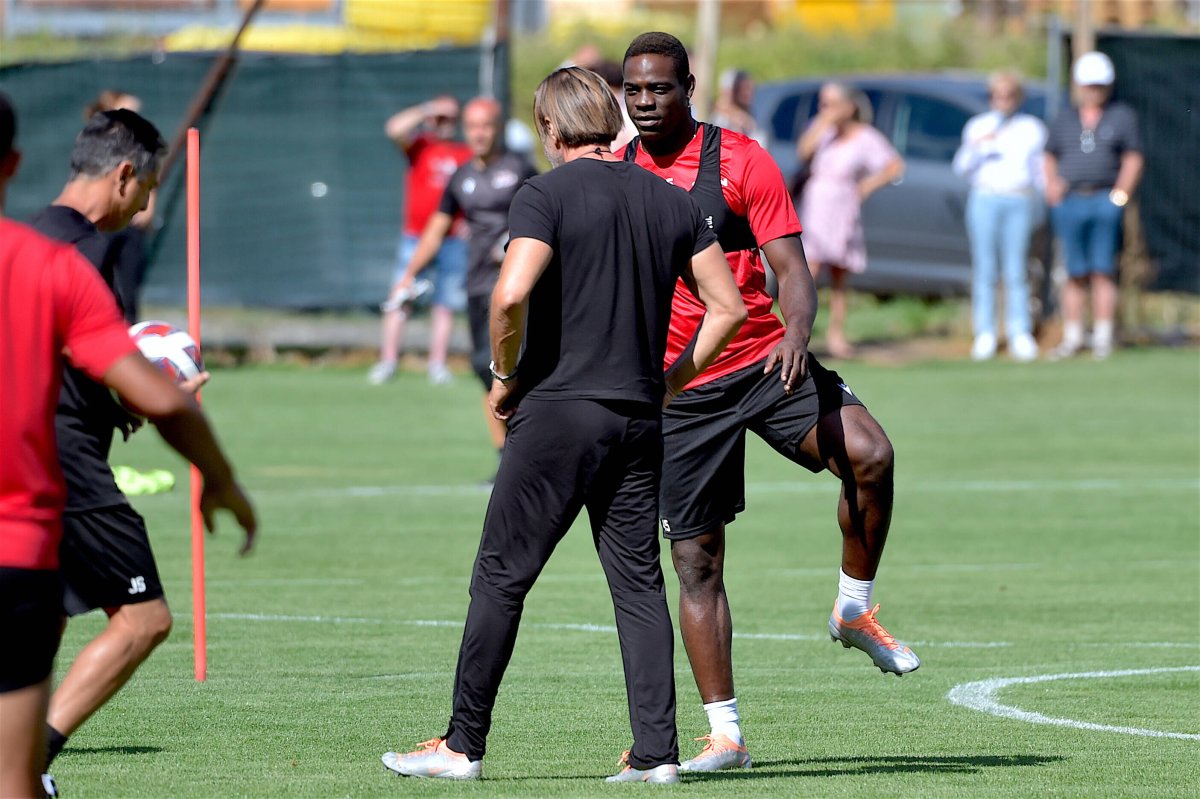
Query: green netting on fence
x=301, y=190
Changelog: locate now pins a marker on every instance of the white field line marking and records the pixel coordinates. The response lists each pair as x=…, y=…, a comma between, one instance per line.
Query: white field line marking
x=981, y=696
x=585, y=628
x=600, y=628
x=787, y=486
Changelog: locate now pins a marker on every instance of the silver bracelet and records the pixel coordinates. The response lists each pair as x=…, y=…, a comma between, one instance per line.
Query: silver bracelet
x=508, y=378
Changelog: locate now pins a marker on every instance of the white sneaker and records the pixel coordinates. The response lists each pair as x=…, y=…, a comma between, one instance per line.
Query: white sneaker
x=434, y=759
x=49, y=786
x=720, y=752
x=867, y=634
x=1101, y=348
x=666, y=774
x=1066, y=349
x=439, y=375
x=419, y=288
x=1023, y=348
x=381, y=373
x=984, y=348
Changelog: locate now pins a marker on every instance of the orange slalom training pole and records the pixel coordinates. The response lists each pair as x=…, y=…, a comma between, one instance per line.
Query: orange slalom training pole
x=200, y=634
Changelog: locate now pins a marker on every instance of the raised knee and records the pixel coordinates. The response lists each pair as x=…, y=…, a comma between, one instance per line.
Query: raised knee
x=873, y=458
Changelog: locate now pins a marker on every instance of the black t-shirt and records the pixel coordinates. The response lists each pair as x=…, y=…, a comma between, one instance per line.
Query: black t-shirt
x=597, y=323
x=87, y=413
x=483, y=196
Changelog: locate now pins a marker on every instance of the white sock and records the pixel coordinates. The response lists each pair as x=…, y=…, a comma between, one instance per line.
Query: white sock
x=1102, y=332
x=1073, y=333
x=854, y=596
x=723, y=718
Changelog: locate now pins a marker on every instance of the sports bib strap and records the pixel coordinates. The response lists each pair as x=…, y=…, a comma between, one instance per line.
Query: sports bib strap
x=733, y=231
x=632, y=148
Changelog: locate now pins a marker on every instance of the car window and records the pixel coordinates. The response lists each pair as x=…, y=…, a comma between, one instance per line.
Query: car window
x=1035, y=106
x=791, y=115
x=928, y=128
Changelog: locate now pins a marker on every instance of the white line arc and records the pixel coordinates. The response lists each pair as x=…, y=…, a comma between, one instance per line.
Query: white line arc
x=981, y=696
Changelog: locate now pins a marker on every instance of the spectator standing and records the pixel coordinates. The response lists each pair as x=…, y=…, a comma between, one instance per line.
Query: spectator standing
x=849, y=160
x=1093, y=164
x=732, y=107
x=586, y=285
x=480, y=191
x=425, y=134
x=1001, y=155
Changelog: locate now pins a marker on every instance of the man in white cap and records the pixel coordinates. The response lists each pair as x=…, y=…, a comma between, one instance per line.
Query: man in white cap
x=1093, y=164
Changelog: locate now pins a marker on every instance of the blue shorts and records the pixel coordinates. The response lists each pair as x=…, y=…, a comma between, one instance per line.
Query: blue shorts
x=447, y=270
x=1089, y=228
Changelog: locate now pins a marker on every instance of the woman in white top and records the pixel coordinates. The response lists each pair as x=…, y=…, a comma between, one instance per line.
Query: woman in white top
x=1001, y=154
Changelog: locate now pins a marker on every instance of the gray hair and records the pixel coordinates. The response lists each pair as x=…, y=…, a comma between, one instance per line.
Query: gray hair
x=111, y=137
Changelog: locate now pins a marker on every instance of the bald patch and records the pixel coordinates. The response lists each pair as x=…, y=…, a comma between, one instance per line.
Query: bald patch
x=486, y=105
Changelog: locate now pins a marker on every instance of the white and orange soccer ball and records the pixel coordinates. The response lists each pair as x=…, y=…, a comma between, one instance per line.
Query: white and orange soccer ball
x=170, y=349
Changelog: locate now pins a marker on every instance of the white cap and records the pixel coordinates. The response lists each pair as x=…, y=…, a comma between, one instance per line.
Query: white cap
x=1094, y=69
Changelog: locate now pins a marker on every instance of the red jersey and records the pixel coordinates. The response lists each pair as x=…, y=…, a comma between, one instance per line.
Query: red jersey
x=431, y=164
x=754, y=189
x=50, y=298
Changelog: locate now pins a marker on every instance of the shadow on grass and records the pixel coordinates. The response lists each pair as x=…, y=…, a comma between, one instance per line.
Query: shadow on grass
x=843, y=767
x=111, y=750
x=859, y=766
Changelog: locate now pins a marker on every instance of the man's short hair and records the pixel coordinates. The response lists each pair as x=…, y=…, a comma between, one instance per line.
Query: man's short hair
x=111, y=137
x=579, y=104
x=8, y=125
x=664, y=44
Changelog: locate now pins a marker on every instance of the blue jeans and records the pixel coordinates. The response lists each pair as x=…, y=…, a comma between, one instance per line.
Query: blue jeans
x=1089, y=228
x=999, y=226
x=448, y=270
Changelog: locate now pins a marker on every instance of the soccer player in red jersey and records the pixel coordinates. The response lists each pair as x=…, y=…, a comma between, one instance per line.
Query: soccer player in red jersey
x=765, y=381
x=51, y=301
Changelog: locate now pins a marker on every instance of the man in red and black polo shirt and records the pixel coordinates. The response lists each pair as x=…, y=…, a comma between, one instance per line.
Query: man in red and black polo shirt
x=765, y=381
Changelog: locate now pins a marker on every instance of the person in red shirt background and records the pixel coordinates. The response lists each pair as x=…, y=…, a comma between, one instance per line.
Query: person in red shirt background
x=765, y=381
x=425, y=133
x=53, y=301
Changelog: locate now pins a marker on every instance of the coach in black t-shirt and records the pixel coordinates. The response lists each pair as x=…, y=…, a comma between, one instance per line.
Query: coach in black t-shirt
x=596, y=248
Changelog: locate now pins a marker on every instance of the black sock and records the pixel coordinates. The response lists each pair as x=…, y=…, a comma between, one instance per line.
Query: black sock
x=55, y=741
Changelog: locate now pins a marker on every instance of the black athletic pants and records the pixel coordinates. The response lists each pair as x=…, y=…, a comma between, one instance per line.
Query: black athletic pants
x=562, y=456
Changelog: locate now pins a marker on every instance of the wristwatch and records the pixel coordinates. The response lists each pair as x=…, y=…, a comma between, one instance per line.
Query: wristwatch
x=1118, y=197
x=508, y=378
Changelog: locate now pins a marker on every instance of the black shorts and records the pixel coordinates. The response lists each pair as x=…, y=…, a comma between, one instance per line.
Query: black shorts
x=704, y=436
x=106, y=560
x=31, y=621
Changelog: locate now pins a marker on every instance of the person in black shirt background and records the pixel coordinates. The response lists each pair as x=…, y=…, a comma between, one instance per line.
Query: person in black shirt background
x=595, y=250
x=106, y=560
x=480, y=191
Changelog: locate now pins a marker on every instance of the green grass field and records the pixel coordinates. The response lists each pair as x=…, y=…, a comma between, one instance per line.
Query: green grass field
x=1047, y=522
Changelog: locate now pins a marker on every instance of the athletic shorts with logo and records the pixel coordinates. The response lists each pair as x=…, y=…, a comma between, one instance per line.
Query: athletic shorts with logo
x=704, y=435
x=106, y=560
x=30, y=616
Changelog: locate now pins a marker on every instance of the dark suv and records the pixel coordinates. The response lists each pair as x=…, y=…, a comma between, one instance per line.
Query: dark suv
x=916, y=237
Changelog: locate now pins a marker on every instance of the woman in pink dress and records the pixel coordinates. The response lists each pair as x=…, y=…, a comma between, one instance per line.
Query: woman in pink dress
x=848, y=161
